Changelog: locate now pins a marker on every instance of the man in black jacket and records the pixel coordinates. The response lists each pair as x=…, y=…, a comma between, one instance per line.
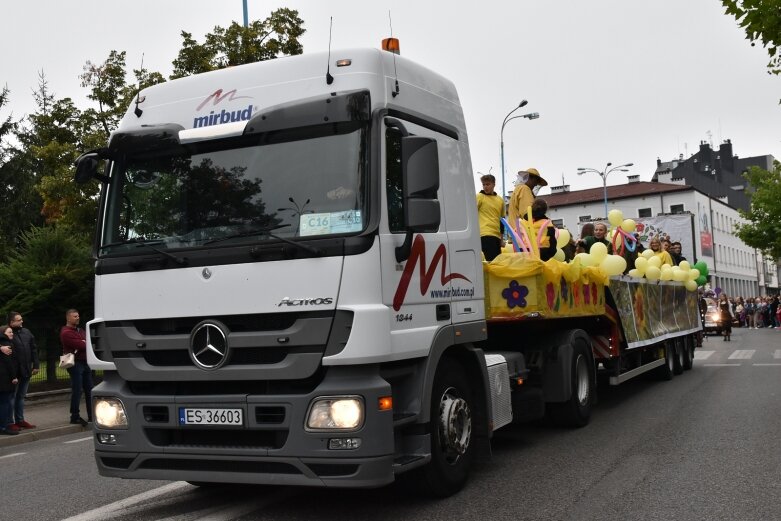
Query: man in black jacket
x=27, y=354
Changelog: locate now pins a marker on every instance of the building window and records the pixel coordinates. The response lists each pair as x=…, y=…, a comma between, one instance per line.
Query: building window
x=558, y=223
x=584, y=218
x=676, y=208
x=644, y=212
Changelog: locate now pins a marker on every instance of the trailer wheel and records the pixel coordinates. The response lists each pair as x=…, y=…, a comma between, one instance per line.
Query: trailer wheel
x=452, y=449
x=576, y=412
x=688, y=361
x=679, y=356
x=666, y=371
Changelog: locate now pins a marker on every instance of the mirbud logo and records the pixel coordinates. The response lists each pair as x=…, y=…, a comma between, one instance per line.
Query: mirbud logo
x=223, y=116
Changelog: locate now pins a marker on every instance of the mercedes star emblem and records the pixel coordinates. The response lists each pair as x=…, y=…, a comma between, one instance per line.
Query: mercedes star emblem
x=206, y=273
x=209, y=345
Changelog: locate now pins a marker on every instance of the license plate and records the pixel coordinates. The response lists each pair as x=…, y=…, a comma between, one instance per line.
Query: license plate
x=199, y=416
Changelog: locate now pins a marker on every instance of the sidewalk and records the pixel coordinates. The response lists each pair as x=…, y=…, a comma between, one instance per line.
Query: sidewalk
x=49, y=412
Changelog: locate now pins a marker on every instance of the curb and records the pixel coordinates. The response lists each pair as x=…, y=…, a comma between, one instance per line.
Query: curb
x=36, y=435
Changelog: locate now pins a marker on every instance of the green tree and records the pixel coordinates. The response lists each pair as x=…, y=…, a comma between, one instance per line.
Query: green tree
x=19, y=200
x=278, y=35
x=761, y=19
x=49, y=273
x=763, y=231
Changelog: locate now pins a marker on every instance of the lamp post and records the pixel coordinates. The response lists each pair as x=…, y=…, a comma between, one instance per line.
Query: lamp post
x=501, y=140
x=603, y=174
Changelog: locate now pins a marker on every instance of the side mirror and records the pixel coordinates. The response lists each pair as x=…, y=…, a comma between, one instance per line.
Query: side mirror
x=420, y=173
x=86, y=167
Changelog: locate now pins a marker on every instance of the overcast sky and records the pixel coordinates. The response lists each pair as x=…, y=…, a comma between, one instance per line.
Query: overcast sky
x=613, y=80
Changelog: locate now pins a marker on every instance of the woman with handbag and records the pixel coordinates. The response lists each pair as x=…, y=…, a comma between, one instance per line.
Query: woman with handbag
x=9, y=371
x=74, y=340
x=726, y=316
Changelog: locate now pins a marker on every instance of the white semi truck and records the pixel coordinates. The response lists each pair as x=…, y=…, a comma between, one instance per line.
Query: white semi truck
x=289, y=287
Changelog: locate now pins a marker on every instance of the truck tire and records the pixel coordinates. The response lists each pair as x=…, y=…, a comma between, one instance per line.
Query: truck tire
x=688, y=361
x=666, y=371
x=452, y=446
x=576, y=412
x=679, y=355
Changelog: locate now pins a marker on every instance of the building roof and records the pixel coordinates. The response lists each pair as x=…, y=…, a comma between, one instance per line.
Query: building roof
x=623, y=191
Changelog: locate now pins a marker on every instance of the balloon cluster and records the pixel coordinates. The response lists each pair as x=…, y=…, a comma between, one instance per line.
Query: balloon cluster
x=622, y=240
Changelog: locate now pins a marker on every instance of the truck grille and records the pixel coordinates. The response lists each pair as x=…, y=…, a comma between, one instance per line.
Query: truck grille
x=188, y=438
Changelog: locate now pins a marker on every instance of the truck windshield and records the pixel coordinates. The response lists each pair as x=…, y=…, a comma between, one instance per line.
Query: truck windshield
x=301, y=184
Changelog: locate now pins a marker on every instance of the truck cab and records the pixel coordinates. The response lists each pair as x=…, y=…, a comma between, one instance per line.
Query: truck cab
x=288, y=278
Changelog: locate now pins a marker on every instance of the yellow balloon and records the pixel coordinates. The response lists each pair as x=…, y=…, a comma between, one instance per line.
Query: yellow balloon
x=586, y=259
x=508, y=248
x=655, y=262
x=694, y=274
x=641, y=264
x=629, y=225
x=653, y=273
x=685, y=266
x=613, y=265
x=691, y=285
x=598, y=251
x=635, y=273
x=563, y=238
x=559, y=256
x=648, y=253
x=666, y=274
x=680, y=275
x=615, y=217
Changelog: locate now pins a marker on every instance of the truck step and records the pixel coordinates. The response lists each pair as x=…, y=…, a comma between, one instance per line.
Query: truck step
x=408, y=461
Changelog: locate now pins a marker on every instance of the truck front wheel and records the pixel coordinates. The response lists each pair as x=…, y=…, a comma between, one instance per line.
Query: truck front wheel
x=452, y=447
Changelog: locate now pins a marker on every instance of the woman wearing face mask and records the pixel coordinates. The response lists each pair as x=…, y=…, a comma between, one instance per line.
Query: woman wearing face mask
x=526, y=187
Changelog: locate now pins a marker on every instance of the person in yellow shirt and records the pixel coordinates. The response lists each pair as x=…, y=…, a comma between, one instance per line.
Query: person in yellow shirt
x=656, y=245
x=490, y=210
x=524, y=193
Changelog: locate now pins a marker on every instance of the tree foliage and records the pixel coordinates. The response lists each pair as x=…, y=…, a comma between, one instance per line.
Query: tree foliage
x=278, y=35
x=761, y=19
x=49, y=273
x=763, y=231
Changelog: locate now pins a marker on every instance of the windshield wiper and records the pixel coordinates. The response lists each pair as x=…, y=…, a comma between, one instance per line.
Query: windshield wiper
x=181, y=261
x=267, y=232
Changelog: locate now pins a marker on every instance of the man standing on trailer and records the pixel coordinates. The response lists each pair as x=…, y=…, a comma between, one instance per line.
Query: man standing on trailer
x=490, y=210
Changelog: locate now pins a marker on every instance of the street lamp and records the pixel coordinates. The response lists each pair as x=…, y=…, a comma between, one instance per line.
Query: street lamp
x=501, y=140
x=603, y=174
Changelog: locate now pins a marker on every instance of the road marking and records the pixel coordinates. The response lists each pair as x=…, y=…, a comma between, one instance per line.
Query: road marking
x=722, y=365
x=699, y=354
x=79, y=440
x=234, y=510
x=13, y=455
x=773, y=364
x=777, y=354
x=105, y=511
x=742, y=354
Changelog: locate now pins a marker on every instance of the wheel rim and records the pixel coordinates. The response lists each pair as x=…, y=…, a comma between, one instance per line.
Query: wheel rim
x=669, y=355
x=582, y=379
x=455, y=425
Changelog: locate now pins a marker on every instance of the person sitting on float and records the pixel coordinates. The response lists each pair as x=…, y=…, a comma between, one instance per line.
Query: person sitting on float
x=656, y=246
x=547, y=238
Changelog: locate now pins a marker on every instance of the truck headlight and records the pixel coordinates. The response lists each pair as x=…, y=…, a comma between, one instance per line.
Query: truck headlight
x=335, y=413
x=110, y=414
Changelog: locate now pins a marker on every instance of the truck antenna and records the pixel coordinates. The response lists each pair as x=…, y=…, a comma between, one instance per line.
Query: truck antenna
x=395, y=74
x=328, y=78
x=138, y=110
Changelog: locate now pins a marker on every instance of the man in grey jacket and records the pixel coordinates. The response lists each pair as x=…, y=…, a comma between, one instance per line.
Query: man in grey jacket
x=27, y=353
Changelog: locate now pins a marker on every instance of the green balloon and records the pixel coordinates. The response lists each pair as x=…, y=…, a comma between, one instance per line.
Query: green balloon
x=701, y=280
x=702, y=268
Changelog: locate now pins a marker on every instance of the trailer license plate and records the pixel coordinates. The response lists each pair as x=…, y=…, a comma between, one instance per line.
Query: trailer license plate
x=188, y=416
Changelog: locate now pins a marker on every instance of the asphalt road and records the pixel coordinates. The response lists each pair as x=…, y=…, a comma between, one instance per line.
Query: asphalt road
x=702, y=446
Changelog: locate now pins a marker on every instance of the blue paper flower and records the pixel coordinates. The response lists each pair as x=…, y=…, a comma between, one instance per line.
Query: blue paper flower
x=515, y=295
